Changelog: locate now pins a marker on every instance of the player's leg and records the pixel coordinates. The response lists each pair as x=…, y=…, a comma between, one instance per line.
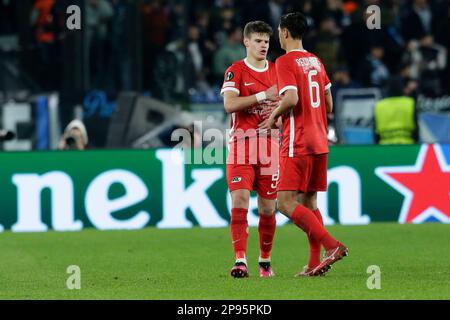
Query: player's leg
x=266, y=179
x=299, y=214
x=318, y=182
x=289, y=203
x=266, y=186
x=290, y=206
x=240, y=181
x=266, y=230
x=309, y=200
x=305, y=219
x=295, y=174
x=239, y=224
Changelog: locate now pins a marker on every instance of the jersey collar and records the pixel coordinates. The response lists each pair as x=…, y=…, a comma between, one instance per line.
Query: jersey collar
x=299, y=50
x=256, y=69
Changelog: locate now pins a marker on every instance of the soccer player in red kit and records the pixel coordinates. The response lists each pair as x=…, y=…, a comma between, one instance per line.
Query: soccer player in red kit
x=250, y=94
x=306, y=98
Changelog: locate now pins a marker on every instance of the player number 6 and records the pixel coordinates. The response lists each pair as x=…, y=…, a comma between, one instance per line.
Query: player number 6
x=313, y=85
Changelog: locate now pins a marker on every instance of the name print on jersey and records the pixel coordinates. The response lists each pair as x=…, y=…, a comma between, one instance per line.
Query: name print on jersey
x=308, y=63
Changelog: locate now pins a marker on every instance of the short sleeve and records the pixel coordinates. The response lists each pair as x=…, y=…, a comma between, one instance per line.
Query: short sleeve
x=232, y=80
x=285, y=75
x=327, y=81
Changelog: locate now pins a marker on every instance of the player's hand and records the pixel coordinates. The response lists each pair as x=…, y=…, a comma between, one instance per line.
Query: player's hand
x=266, y=111
x=267, y=124
x=272, y=93
x=279, y=122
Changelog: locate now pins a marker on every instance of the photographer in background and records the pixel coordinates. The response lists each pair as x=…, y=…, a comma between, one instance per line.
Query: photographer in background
x=75, y=136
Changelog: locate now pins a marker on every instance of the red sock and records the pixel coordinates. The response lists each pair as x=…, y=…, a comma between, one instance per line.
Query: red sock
x=307, y=221
x=318, y=216
x=239, y=232
x=315, y=246
x=266, y=229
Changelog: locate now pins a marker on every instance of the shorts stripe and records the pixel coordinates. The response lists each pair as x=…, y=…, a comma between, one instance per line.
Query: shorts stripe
x=233, y=121
x=291, y=134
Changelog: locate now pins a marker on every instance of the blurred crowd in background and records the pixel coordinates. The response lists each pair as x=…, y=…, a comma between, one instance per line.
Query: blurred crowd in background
x=187, y=45
x=412, y=46
x=177, y=50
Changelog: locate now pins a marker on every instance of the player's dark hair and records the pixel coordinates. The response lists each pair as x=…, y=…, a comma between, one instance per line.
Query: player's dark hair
x=258, y=27
x=295, y=23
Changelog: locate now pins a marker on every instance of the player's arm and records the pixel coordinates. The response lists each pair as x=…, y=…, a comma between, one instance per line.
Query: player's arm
x=288, y=101
x=288, y=92
x=233, y=102
x=329, y=101
x=328, y=95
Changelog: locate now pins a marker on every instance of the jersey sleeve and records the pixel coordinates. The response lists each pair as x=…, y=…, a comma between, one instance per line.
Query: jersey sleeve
x=232, y=80
x=285, y=76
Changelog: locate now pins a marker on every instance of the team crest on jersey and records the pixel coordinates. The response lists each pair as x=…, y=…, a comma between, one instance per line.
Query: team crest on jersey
x=236, y=179
x=230, y=75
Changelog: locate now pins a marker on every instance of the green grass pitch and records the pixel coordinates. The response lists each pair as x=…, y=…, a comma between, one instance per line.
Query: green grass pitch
x=195, y=263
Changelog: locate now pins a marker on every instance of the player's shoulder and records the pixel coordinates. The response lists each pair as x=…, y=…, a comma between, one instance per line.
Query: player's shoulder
x=237, y=65
x=283, y=58
x=289, y=58
x=313, y=56
x=235, y=69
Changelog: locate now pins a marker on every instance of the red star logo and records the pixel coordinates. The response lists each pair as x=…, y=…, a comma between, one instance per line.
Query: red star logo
x=426, y=186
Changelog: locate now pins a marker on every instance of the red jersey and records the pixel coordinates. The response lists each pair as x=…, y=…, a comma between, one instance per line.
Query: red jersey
x=252, y=161
x=305, y=126
x=246, y=80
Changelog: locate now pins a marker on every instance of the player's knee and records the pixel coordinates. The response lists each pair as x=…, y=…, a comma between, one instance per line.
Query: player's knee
x=267, y=211
x=310, y=200
x=240, y=202
x=283, y=206
x=310, y=205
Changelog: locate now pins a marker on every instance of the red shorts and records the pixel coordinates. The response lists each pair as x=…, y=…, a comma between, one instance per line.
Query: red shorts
x=254, y=167
x=262, y=179
x=307, y=173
